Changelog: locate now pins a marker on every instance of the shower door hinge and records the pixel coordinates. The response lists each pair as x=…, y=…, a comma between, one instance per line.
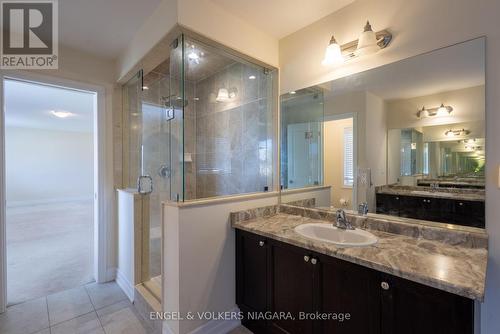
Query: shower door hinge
x=266, y=71
x=175, y=43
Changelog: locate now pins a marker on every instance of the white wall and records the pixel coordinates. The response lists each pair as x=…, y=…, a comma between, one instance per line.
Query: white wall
x=48, y=165
x=199, y=259
x=418, y=26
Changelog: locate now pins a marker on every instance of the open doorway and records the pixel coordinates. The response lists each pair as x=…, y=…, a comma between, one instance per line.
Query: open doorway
x=339, y=157
x=49, y=187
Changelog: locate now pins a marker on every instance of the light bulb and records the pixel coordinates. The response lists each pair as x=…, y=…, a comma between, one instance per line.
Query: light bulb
x=367, y=43
x=333, y=54
x=222, y=95
x=444, y=111
x=61, y=114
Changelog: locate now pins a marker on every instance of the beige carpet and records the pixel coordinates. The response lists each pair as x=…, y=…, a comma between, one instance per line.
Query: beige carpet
x=49, y=249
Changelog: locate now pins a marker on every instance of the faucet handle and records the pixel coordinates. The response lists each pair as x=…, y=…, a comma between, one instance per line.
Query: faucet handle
x=363, y=208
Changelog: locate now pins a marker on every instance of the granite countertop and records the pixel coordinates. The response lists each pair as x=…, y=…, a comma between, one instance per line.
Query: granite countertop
x=456, y=194
x=454, y=268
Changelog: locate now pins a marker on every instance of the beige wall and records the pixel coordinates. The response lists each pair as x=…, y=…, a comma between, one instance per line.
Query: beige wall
x=468, y=105
x=205, y=18
x=333, y=148
x=445, y=22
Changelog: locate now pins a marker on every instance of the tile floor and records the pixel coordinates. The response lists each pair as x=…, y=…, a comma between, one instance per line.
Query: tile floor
x=49, y=249
x=90, y=309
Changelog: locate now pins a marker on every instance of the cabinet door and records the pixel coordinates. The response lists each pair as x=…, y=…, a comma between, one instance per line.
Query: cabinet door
x=413, y=308
x=292, y=287
x=387, y=204
x=410, y=206
x=348, y=288
x=469, y=213
x=252, y=276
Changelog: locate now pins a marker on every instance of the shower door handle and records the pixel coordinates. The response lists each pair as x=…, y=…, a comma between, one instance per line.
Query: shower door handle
x=141, y=180
x=170, y=113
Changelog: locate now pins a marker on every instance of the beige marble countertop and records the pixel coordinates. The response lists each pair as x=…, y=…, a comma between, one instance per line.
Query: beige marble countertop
x=456, y=269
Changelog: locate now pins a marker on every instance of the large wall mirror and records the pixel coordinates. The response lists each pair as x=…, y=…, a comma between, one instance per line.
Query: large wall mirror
x=407, y=139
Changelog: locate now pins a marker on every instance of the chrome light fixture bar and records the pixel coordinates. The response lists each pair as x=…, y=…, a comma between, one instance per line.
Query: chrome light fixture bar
x=369, y=42
x=456, y=133
x=442, y=110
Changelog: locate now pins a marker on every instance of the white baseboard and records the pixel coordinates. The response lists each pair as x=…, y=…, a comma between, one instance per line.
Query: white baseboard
x=110, y=275
x=125, y=284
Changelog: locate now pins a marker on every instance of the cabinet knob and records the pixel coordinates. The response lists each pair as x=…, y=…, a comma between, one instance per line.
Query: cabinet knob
x=460, y=203
x=306, y=258
x=384, y=285
x=261, y=243
x=314, y=261
x=397, y=197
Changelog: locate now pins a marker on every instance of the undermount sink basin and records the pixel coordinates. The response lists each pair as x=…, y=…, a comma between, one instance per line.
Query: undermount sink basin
x=337, y=236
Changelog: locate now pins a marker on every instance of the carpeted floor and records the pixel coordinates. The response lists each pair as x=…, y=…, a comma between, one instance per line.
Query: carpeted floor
x=49, y=249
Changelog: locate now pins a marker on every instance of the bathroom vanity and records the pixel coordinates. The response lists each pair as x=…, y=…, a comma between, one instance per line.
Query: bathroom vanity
x=422, y=280
x=458, y=207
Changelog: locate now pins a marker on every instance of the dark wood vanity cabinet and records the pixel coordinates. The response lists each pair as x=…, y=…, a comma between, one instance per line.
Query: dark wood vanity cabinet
x=274, y=277
x=409, y=307
x=252, y=277
x=451, y=211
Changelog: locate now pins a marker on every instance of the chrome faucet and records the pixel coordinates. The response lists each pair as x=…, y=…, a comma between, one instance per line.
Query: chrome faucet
x=363, y=209
x=341, y=221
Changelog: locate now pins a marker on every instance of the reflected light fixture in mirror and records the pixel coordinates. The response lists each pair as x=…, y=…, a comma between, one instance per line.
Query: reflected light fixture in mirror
x=456, y=133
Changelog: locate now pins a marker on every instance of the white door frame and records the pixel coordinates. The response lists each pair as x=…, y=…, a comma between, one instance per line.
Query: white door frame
x=100, y=178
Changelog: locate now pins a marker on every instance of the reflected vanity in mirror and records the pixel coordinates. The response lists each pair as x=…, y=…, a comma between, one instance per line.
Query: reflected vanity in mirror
x=407, y=139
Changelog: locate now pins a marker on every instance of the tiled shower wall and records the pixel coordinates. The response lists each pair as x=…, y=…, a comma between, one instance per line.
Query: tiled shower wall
x=233, y=141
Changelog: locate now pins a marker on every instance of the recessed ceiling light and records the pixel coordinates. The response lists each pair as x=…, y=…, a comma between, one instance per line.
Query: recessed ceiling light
x=61, y=114
x=252, y=77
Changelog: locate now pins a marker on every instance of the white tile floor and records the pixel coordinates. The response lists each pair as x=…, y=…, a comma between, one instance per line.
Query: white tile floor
x=90, y=309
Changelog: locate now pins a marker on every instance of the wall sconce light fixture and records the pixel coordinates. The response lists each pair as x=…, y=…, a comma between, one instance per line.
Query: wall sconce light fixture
x=224, y=94
x=440, y=111
x=369, y=42
x=456, y=133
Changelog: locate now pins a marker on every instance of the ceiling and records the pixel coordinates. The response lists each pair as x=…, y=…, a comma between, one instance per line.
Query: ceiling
x=280, y=18
x=102, y=27
x=29, y=105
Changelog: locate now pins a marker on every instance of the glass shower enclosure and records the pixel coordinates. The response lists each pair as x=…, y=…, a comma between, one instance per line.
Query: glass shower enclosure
x=199, y=125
